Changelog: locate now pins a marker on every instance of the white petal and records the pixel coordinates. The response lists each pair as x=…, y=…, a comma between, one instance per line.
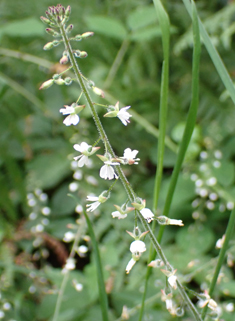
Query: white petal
x=118, y=215
x=137, y=247
x=67, y=111
x=130, y=265
x=77, y=147
x=147, y=214
x=84, y=160
x=91, y=198
x=93, y=206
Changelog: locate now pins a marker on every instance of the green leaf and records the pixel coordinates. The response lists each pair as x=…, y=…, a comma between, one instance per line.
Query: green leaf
x=195, y=239
x=107, y=26
x=224, y=173
x=29, y=27
x=62, y=204
x=48, y=170
x=141, y=17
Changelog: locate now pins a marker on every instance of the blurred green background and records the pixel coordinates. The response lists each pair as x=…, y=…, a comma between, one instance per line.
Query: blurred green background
x=36, y=153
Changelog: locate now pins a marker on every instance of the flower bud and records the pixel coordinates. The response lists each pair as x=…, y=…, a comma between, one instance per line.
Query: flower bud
x=56, y=43
x=98, y=91
x=59, y=81
x=67, y=12
x=52, y=32
x=47, y=84
x=48, y=46
x=69, y=29
x=45, y=20
x=68, y=81
x=83, y=54
x=87, y=34
x=56, y=76
x=64, y=60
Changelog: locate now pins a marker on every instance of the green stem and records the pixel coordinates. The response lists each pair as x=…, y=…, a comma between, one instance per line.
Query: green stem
x=66, y=277
x=191, y=120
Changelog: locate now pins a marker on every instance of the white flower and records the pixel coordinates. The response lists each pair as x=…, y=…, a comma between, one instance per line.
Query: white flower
x=93, y=206
x=129, y=156
x=70, y=264
x=72, y=119
x=97, y=200
x=68, y=236
x=123, y=115
x=172, y=281
x=86, y=150
x=107, y=171
x=130, y=265
x=137, y=248
x=163, y=220
x=147, y=214
x=118, y=215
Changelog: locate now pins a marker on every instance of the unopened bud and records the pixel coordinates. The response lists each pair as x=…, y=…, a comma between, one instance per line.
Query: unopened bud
x=67, y=11
x=64, y=60
x=87, y=34
x=47, y=84
x=69, y=29
x=52, y=32
x=59, y=81
x=48, y=46
x=83, y=54
x=68, y=81
x=45, y=20
x=56, y=76
x=98, y=91
x=56, y=43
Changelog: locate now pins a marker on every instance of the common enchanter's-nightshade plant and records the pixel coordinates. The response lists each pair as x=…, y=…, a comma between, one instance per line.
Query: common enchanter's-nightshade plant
x=57, y=20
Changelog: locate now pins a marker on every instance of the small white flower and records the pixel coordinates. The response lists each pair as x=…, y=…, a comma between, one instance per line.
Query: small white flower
x=147, y=214
x=129, y=156
x=70, y=264
x=97, y=200
x=172, y=281
x=86, y=151
x=130, y=265
x=123, y=115
x=107, y=171
x=73, y=118
x=164, y=220
x=93, y=206
x=118, y=215
x=68, y=236
x=137, y=248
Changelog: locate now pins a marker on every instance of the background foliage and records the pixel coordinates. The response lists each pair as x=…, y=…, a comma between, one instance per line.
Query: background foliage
x=125, y=59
